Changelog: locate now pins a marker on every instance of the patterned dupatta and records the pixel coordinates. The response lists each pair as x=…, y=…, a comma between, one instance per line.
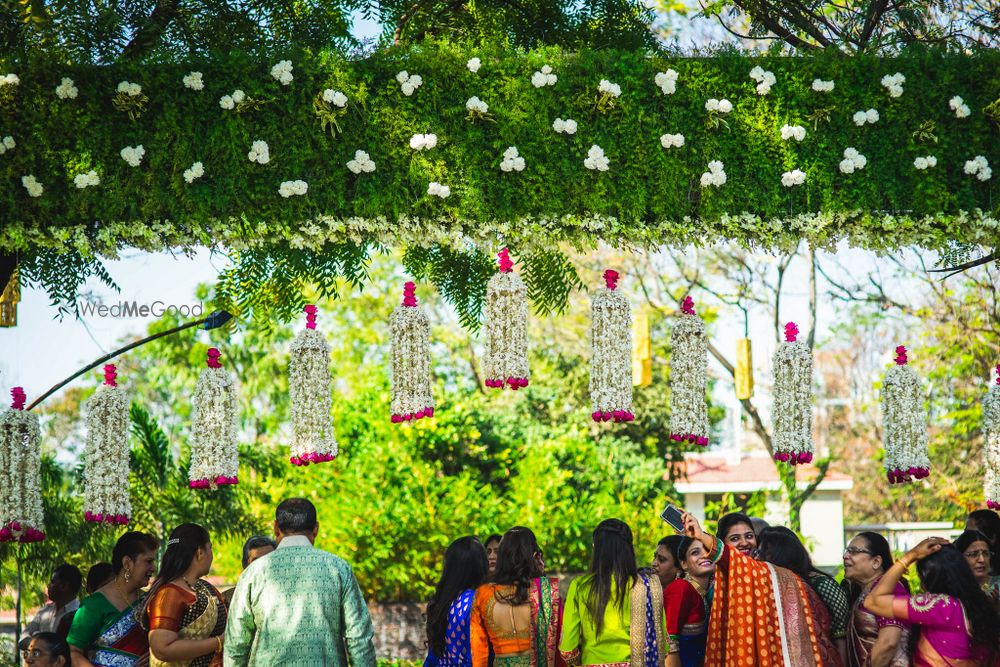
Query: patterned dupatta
x=204, y=619
x=122, y=640
x=546, y=622
x=646, y=624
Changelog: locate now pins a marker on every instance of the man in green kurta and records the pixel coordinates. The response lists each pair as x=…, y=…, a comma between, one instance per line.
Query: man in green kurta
x=298, y=606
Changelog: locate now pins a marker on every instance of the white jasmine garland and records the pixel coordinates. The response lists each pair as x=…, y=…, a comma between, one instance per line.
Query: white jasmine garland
x=133, y=155
x=89, y=179
x=596, y=159
x=672, y=140
x=106, y=456
x=214, y=452
x=259, y=152
x=715, y=175
x=511, y=161
x=21, y=513
x=292, y=188
x=610, y=354
x=904, y=431
x=193, y=81
x=309, y=378
x=853, y=161
x=688, y=378
x=436, y=189
x=894, y=83
x=505, y=320
x=66, y=90
x=979, y=167
x=410, y=333
x=543, y=77
x=821, y=86
x=409, y=83
x=283, y=72
x=474, y=64
x=196, y=170
x=666, y=81
x=423, y=142
x=567, y=126
x=991, y=444
x=796, y=132
x=335, y=97
x=925, y=162
x=793, y=399
x=958, y=105
x=32, y=185
x=793, y=177
x=764, y=79
x=361, y=164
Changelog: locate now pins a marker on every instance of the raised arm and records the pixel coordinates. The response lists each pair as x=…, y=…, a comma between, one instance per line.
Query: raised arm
x=879, y=601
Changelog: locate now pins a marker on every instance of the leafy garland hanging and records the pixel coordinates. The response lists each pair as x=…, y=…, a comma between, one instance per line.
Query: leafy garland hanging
x=611, y=353
x=410, y=332
x=106, y=456
x=214, y=453
x=793, y=397
x=313, y=440
x=904, y=431
x=689, y=378
x=21, y=515
x=991, y=445
x=505, y=359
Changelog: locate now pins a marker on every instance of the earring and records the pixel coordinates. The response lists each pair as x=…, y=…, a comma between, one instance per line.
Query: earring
x=128, y=575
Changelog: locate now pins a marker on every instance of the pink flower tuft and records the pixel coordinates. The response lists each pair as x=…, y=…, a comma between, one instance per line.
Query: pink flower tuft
x=506, y=265
x=213, y=358
x=687, y=306
x=791, y=332
x=900, y=356
x=409, y=295
x=998, y=374
x=310, y=311
x=17, y=393
x=110, y=375
x=611, y=279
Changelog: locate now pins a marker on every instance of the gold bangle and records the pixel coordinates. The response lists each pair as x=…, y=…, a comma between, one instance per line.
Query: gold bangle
x=906, y=564
x=218, y=638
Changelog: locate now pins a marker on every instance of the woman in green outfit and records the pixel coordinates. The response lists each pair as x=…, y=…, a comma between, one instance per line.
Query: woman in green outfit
x=106, y=630
x=614, y=613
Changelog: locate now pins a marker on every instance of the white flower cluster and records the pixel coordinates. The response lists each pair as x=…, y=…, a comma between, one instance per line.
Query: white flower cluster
x=505, y=356
x=793, y=177
x=607, y=88
x=410, y=334
x=853, y=161
x=9, y=80
x=259, y=152
x=130, y=89
x=423, y=142
x=666, y=81
x=106, y=456
x=409, y=83
x=193, y=81
x=927, y=162
x=230, y=101
x=335, y=97
x=596, y=159
x=689, y=381
x=862, y=117
x=543, y=77
x=31, y=184
x=435, y=189
x=133, y=154
x=610, y=356
x=979, y=167
x=215, y=456
x=716, y=174
x=196, y=170
x=764, y=79
x=283, y=72
x=474, y=64
x=21, y=513
x=793, y=398
x=511, y=160
x=722, y=106
x=796, y=132
x=362, y=163
x=894, y=83
x=87, y=180
x=904, y=431
x=6, y=144
x=821, y=86
x=477, y=105
x=567, y=126
x=313, y=439
x=290, y=188
x=991, y=446
x=67, y=90
x=958, y=105
x=672, y=140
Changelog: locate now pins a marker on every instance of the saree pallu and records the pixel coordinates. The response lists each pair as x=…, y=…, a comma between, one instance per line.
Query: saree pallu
x=687, y=622
x=457, y=646
x=752, y=600
x=945, y=637
x=197, y=615
x=537, y=643
x=646, y=631
x=546, y=619
x=863, y=628
x=108, y=636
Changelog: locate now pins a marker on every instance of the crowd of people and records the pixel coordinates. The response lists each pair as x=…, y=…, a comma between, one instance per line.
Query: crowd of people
x=748, y=595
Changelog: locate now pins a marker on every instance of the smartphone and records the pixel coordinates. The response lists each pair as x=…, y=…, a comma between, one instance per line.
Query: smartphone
x=672, y=515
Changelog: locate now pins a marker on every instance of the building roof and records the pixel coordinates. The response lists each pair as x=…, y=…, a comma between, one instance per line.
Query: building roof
x=715, y=473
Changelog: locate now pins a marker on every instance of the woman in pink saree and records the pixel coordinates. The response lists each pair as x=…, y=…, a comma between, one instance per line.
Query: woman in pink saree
x=955, y=621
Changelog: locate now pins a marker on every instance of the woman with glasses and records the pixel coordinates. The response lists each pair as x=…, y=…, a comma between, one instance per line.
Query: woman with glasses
x=976, y=548
x=987, y=522
x=47, y=649
x=517, y=613
x=957, y=624
x=872, y=639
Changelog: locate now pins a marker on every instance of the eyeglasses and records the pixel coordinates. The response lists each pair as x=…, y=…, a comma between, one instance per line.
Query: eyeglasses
x=854, y=551
x=974, y=555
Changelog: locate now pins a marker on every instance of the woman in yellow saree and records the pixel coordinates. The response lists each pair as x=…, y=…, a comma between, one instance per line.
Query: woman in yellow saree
x=762, y=615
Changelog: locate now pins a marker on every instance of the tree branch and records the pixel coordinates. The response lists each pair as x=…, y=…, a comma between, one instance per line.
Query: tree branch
x=150, y=33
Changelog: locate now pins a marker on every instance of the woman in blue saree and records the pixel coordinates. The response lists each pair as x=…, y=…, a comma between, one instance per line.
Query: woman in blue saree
x=449, y=610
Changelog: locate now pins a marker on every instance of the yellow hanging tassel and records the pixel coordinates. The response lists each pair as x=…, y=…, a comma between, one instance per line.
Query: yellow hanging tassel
x=744, y=369
x=8, y=302
x=642, y=351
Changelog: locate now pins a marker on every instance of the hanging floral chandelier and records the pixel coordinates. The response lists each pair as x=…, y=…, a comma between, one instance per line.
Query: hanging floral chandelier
x=793, y=397
x=689, y=378
x=214, y=454
x=21, y=516
x=505, y=359
x=410, y=331
x=106, y=455
x=313, y=440
x=991, y=436
x=904, y=433
x=611, y=353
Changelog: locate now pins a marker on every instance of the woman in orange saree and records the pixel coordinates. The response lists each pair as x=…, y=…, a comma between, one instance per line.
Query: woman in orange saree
x=762, y=615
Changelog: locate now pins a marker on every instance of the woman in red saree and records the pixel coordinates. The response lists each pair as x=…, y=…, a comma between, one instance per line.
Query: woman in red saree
x=762, y=615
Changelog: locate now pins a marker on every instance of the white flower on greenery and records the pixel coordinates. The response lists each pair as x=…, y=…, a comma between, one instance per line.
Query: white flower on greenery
x=290, y=188
x=409, y=83
x=89, y=179
x=435, y=189
x=764, y=79
x=716, y=174
x=474, y=64
x=666, y=81
x=259, y=152
x=862, y=117
x=67, y=90
x=130, y=89
x=227, y=102
x=6, y=144
x=793, y=177
x=596, y=159
x=821, y=86
x=796, y=132
x=959, y=106
x=612, y=89
x=567, y=126
x=193, y=81
x=672, y=140
x=511, y=160
x=979, y=167
x=197, y=170
x=31, y=184
x=133, y=154
x=423, y=142
x=335, y=97
x=362, y=163
x=283, y=72
x=894, y=83
x=853, y=161
x=543, y=77
x=477, y=105
x=9, y=80
x=239, y=96
x=722, y=106
x=927, y=162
